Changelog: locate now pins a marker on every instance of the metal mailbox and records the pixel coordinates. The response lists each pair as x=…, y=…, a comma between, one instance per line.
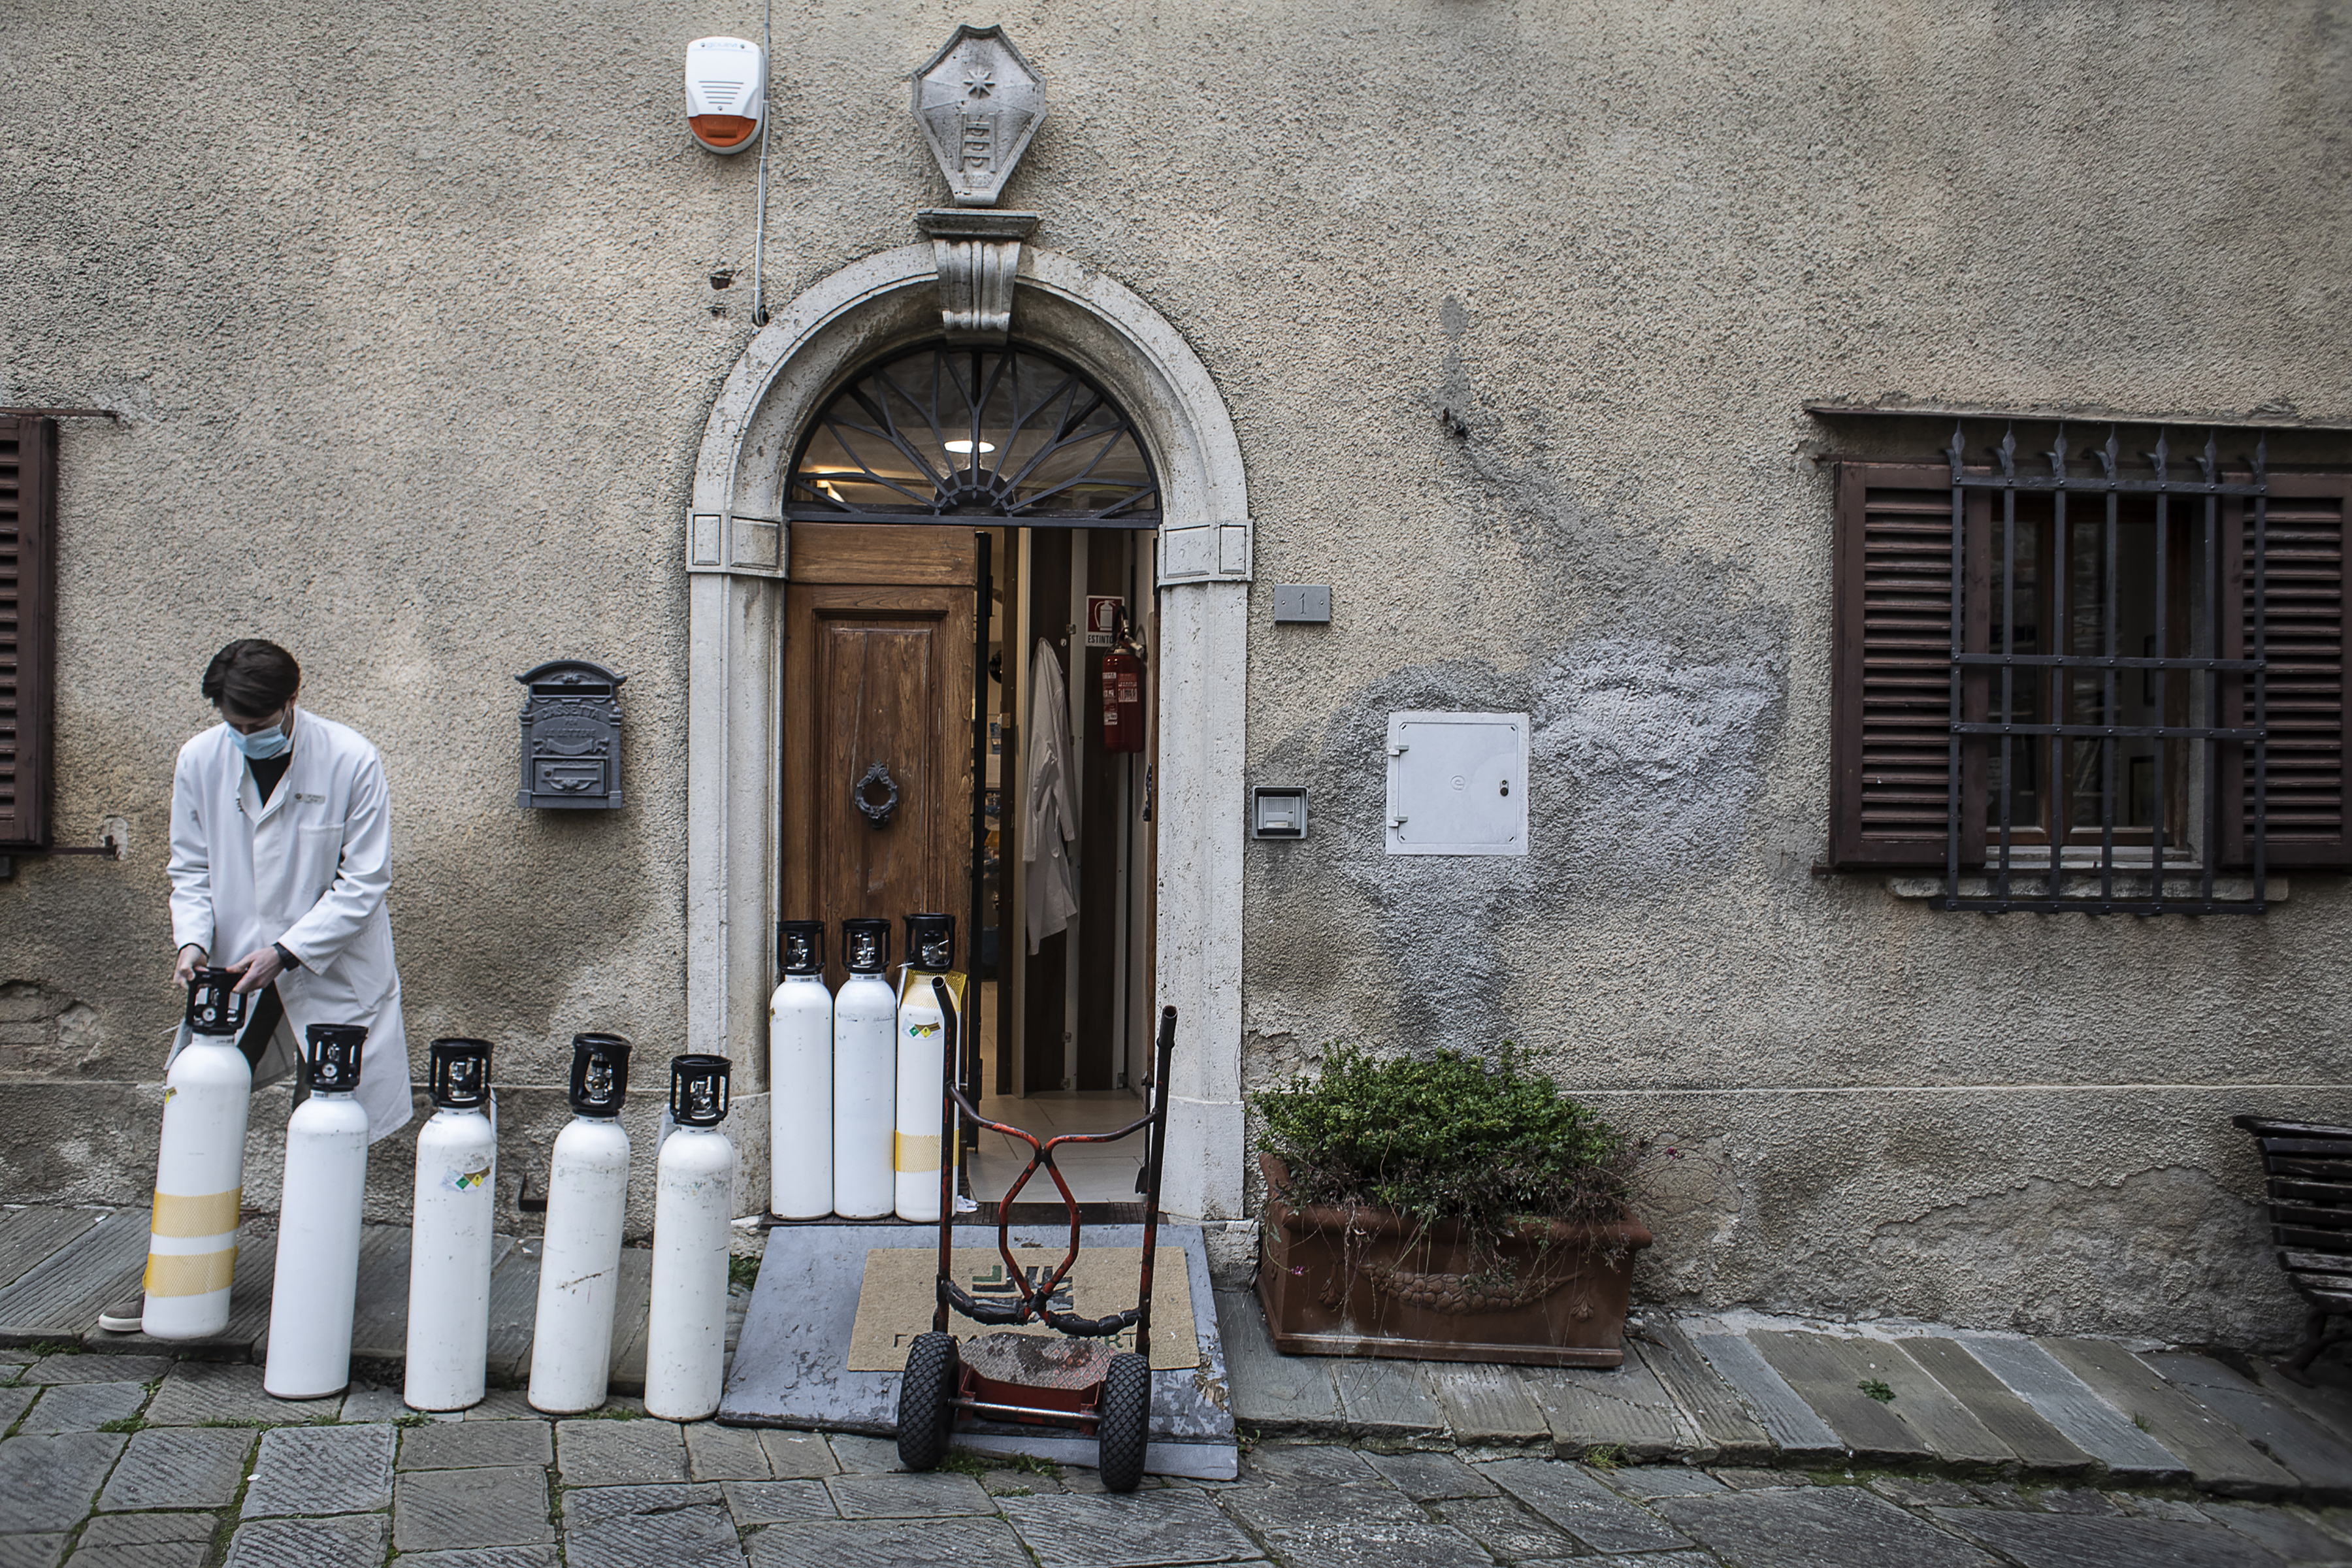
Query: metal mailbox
x=570, y=737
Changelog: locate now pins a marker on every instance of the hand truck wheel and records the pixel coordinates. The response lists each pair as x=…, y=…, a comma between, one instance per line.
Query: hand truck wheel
x=933, y=1369
x=1124, y=1423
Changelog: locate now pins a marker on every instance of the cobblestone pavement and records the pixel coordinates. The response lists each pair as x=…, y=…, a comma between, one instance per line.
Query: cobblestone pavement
x=129, y=1462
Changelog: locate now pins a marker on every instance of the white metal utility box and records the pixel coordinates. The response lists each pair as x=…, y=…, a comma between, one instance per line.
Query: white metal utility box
x=1457, y=783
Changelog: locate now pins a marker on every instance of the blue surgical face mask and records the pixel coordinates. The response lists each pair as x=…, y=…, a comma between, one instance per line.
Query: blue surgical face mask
x=273, y=741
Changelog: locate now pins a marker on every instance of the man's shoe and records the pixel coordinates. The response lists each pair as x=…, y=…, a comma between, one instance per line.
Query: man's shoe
x=125, y=1316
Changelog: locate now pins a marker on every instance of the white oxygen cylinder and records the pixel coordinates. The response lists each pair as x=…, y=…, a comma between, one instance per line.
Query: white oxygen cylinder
x=449, y=1248
x=579, y=1264
x=317, y=1279
x=922, y=1041
x=865, y=1076
x=200, y=1169
x=800, y=1076
x=686, y=1314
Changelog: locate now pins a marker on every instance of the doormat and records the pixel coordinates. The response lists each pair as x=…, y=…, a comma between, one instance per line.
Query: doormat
x=897, y=1299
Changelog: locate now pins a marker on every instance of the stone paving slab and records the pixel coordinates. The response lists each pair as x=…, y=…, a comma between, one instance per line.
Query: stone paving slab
x=2318, y=1459
x=609, y=1453
x=353, y=1542
x=1272, y=1392
x=1944, y=1421
x=627, y=1374
x=1727, y=1431
x=514, y=1311
x=64, y=1369
x=1426, y=1476
x=1647, y=1481
x=969, y=1542
x=2075, y=1409
x=1571, y=1498
x=145, y=1540
x=1144, y=1529
x=1485, y=1404
x=1817, y=1525
x=31, y=1236
x=440, y=1511
x=178, y=1467
x=50, y=1483
x=778, y=1502
x=14, y=1402
x=1624, y=1409
x=1505, y=1527
x=1385, y=1398
x=1828, y=1374
x=649, y=1526
x=2076, y=1540
x=797, y=1455
x=321, y=1470
x=1796, y=1428
x=58, y=1298
x=42, y=1551
x=716, y=1453
x=902, y=1496
x=2038, y=1446
x=463, y=1445
x=2277, y=1531
x=2218, y=1458
x=84, y=1406
x=484, y=1557
x=195, y=1391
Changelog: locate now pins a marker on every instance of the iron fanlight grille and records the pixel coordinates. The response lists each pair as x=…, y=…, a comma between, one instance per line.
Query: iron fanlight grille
x=2057, y=702
x=947, y=432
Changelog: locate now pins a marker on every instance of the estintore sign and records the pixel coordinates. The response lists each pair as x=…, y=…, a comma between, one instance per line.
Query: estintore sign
x=1104, y=612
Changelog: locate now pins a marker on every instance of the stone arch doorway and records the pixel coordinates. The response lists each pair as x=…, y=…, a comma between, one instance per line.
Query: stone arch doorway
x=737, y=556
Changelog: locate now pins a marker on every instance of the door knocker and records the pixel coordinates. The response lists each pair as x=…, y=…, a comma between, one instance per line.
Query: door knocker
x=876, y=814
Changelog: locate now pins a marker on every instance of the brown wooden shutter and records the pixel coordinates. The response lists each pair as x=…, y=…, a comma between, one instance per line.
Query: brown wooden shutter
x=1890, y=697
x=2303, y=641
x=29, y=592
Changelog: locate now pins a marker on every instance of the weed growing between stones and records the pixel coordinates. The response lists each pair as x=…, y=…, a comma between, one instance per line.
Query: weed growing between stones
x=1876, y=1390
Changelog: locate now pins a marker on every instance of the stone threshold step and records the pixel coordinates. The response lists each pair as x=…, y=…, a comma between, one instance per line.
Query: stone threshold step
x=1789, y=1395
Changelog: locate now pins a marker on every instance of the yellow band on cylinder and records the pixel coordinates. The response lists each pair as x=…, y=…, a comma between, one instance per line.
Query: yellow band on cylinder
x=190, y=1273
x=918, y=1151
x=213, y=1214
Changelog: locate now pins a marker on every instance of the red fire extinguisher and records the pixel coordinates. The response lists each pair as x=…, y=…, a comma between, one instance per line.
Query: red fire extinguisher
x=1122, y=695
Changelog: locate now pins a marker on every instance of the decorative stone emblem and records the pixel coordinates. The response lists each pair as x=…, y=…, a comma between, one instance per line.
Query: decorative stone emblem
x=978, y=102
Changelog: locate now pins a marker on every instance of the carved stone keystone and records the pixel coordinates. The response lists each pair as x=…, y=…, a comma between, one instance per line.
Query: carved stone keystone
x=978, y=254
x=978, y=102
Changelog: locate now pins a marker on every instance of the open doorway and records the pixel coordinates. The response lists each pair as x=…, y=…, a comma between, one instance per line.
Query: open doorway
x=971, y=555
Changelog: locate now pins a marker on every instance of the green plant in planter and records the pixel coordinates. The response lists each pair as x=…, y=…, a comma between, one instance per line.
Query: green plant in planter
x=1447, y=1138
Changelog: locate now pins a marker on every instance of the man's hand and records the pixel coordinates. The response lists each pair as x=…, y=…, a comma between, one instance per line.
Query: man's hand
x=258, y=967
x=192, y=958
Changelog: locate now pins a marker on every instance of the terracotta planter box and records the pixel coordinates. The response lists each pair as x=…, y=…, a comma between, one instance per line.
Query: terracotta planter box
x=1382, y=1292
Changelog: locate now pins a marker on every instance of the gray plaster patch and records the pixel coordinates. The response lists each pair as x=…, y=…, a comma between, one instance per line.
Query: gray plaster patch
x=1506, y=1529
x=178, y=1467
x=195, y=1391
x=1171, y=1525
x=353, y=1542
x=716, y=1453
x=2071, y=1540
x=84, y=1406
x=648, y=1527
x=1425, y=1477
x=438, y=1510
x=145, y=1540
x=903, y=1496
x=458, y=1444
x=778, y=1502
x=31, y=1550
x=797, y=1455
x=888, y=1543
x=321, y=1469
x=1589, y=1512
x=64, y=1369
x=1817, y=1527
x=1660, y=1481
x=619, y=1452
x=49, y=1482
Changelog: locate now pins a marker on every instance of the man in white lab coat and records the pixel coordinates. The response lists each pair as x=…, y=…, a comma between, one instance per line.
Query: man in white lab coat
x=281, y=840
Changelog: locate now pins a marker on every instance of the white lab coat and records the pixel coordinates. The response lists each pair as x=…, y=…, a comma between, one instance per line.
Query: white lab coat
x=309, y=869
x=1049, y=817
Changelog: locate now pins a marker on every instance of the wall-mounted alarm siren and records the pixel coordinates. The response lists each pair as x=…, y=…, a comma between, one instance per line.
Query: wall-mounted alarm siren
x=726, y=92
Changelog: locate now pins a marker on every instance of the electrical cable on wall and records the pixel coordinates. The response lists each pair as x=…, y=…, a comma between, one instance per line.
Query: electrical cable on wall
x=760, y=234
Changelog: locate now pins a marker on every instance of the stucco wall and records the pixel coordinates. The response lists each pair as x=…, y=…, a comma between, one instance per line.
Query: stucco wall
x=412, y=325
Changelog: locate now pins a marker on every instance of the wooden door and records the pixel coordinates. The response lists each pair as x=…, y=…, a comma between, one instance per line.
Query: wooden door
x=877, y=668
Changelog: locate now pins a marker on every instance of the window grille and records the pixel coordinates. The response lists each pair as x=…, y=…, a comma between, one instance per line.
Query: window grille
x=2053, y=714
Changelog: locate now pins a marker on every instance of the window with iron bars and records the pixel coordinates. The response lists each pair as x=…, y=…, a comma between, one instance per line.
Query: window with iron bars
x=2091, y=677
